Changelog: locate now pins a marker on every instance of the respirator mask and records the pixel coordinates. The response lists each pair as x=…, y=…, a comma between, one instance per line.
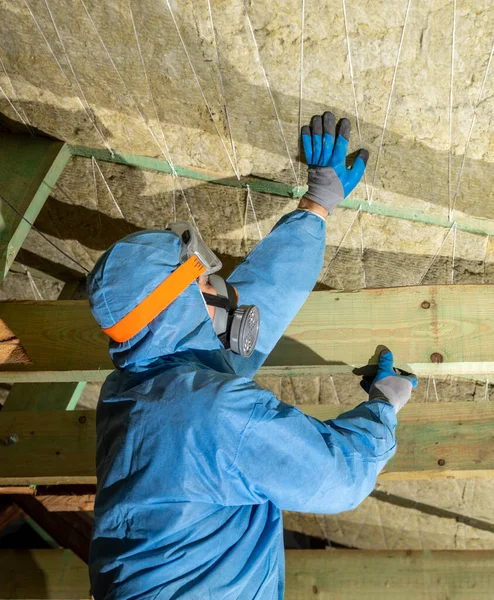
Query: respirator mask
x=236, y=326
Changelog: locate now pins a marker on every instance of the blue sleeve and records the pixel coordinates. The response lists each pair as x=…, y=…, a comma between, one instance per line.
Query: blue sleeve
x=278, y=276
x=306, y=465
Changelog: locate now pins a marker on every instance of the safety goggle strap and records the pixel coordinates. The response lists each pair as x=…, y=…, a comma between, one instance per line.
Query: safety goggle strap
x=159, y=299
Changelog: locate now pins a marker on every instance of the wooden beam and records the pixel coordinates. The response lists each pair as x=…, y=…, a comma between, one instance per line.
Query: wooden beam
x=44, y=396
x=43, y=575
x=468, y=223
x=71, y=530
x=30, y=169
x=9, y=513
x=436, y=440
x=47, y=396
x=62, y=498
x=388, y=575
x=333, y=333
x=319, y=574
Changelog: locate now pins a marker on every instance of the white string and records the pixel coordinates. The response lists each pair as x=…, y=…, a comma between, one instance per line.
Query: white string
x=301, y=76
x=334, y=389
x=95, y=164
x=196, y=77
x=163, y=148
x=451, y=87
x=452, y=228
x=143, y=64
x=487, y=239
x=469, y=137
x=174, y=200
x=486, y=393
x=350, y=65
x=428, y=388
x=453, y=256
x=330, y=264
x=250, y=203
x=222, y=87
x=15, y=109
x=121, y=79
x=24, y=119
x=34, y=287
x=268, y=87
x=435, y=388
x=151, y=96
x=405, y=21
x=89, y=116
x=362, y=250
x=96, y=195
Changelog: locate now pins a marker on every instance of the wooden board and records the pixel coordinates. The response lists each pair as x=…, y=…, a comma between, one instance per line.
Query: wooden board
x=383, y=575
x=47, y=396
x=56, y=447
x=70, y=530
x=333, y=333
x=43, y=574
x=30, y=169
x=318, y=574
x=44, y=396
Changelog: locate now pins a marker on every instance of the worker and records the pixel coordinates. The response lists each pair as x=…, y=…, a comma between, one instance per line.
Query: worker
x=195, y=461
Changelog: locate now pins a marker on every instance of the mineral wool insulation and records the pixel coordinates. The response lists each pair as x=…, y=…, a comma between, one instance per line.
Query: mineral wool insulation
x=224, y=86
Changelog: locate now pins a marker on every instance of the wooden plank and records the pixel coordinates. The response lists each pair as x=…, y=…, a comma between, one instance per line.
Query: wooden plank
x=468, y=223
x=44, y=396
x=56, y=498
x=47, y=396
x=320, y=574
x=11, y=350
x=437, y=440
x=43, y=574
x=333, y=333
x=9, y=513
x=71, y=530
x=30, y=169
x=389, y=575
x=62, y=498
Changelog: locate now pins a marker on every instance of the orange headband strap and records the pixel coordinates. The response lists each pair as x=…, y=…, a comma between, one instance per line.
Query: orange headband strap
x=159, y=299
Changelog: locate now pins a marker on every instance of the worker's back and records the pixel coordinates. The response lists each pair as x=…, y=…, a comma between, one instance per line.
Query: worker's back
x=173, y=519
x=194, y=461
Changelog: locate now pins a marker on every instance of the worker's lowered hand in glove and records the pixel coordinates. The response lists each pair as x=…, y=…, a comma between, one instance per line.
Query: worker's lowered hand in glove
x=195, y=461
x=387, y=383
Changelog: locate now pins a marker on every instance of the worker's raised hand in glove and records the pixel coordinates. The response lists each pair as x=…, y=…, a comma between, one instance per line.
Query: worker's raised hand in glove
x=329, y=179
x=388, y=383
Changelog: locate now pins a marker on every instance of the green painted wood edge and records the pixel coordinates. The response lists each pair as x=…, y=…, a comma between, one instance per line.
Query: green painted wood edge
x=44, y=396
x=469, y=223
x=256, y=184
x=34, y=209
x=76, y=395
x=46, y=537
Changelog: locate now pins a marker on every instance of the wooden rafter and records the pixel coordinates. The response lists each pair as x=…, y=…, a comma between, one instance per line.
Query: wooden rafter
x=30, y=169
x=318, y=574
x=436, y=440
x=431, y=331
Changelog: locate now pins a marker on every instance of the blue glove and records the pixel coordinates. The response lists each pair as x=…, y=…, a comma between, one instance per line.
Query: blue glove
x=389, y=383
x=329, y=179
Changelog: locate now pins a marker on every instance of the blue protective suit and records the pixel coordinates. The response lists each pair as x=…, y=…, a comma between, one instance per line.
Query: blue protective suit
x=194, y=460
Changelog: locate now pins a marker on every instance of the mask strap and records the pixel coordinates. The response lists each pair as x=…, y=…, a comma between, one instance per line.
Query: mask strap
x=218, y=301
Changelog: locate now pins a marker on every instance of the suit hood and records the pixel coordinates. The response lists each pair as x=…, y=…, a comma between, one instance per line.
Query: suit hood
x=124, y=276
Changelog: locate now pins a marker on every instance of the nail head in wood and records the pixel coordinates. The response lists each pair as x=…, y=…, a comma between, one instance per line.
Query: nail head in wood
x=437, y=357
